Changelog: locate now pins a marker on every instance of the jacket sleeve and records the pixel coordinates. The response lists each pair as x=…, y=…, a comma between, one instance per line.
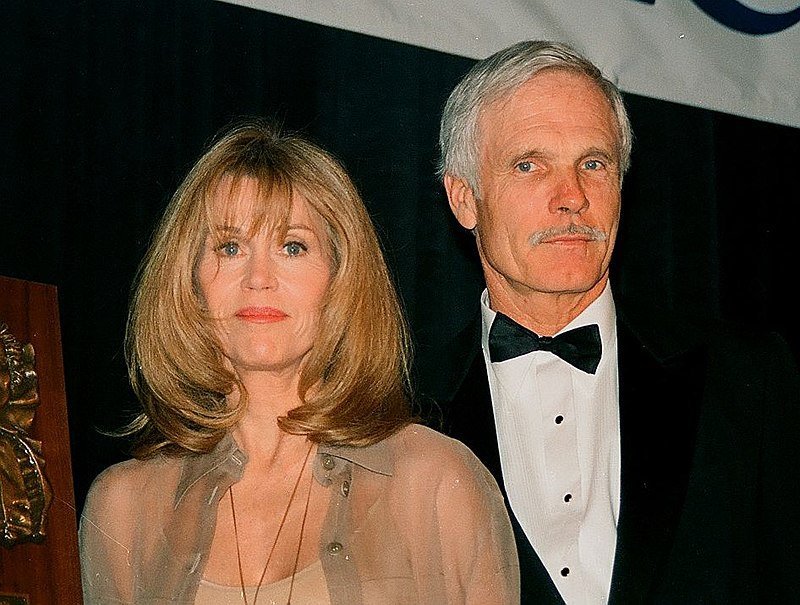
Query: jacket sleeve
x=105, y=539
x=779, y=492
x=479, y=553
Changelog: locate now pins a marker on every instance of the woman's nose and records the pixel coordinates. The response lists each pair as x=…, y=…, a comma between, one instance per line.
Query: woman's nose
x=261, y=272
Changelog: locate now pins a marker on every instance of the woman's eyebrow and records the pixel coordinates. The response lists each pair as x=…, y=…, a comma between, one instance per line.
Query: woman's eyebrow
x=299, y=227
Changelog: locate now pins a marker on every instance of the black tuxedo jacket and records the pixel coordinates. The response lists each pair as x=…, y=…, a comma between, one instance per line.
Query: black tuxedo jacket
x=710, y=491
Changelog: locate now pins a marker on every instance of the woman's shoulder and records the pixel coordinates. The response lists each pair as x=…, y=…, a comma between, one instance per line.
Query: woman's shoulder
x=135, y=472
x=441, y=475
x=113, y=489
x=421, y=438
x=422, y=451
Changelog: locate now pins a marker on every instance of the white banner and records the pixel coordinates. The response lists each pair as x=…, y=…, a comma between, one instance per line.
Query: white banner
x=737, y=56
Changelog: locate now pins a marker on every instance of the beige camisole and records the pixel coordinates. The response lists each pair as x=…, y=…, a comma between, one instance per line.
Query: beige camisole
x=309, y=589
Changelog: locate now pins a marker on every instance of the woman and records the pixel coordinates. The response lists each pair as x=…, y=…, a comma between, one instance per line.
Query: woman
x=276, y=459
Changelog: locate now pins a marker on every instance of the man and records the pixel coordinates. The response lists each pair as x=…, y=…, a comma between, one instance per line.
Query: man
x=641, y=462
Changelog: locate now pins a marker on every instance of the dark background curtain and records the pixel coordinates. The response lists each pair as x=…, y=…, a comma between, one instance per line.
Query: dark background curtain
x=106, y=104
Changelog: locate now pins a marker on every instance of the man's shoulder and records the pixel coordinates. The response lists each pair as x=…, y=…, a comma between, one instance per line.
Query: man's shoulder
x=753, y=360
x=741, y=359
x=439, y=379
x=667, y=332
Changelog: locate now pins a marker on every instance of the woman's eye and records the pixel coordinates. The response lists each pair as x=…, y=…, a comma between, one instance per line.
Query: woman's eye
x=294, y=248
x=228, y=249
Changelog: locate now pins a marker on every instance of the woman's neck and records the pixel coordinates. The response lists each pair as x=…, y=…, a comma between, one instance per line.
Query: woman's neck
x=269, y=396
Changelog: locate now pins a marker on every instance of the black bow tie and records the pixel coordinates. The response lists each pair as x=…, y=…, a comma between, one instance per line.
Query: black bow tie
x=581, y=347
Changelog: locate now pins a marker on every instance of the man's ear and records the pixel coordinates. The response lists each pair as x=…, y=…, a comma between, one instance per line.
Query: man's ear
x=462, y=201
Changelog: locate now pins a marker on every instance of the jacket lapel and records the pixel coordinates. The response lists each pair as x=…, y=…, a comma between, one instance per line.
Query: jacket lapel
x=470, y=417
x=659, y=410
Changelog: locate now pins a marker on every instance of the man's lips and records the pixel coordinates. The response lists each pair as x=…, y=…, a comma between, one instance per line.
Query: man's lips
x=568, y=239
x=261, y=314
x=569, y=234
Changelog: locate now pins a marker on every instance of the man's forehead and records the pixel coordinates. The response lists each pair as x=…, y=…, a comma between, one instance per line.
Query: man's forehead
x=551, y=86
x=552, y=100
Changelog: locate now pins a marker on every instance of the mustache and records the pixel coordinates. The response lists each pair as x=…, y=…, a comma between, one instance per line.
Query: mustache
x=593, y=233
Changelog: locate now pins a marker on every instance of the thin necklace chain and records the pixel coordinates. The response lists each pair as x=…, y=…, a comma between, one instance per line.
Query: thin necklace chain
x=277, y=535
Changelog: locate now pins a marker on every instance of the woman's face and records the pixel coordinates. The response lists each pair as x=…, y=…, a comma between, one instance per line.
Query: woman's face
x=264, y=290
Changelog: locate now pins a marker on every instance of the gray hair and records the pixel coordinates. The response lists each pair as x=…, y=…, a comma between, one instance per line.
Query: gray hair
x=500, y=75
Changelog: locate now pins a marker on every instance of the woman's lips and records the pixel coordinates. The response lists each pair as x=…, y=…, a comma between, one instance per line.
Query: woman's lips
x=261, y=314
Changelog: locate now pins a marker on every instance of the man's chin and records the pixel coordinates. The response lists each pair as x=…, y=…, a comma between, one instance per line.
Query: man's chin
x=576, y=283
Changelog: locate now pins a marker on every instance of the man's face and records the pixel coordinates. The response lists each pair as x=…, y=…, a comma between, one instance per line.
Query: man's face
x=549, y=173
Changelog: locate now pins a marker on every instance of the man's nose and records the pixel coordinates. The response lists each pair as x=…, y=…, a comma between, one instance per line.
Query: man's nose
x=569, y=196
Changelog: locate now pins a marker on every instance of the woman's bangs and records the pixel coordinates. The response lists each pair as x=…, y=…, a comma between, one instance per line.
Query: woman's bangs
x=245, y=204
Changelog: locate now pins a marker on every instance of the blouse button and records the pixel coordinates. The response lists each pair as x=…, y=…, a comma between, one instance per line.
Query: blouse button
x=328, y=462
x=334, y=548
x=345, y=489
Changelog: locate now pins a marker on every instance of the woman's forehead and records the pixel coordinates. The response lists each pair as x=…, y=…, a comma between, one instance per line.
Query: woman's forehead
x=247, y=203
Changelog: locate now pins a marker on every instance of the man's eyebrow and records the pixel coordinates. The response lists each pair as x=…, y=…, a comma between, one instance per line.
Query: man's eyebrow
x=609, y=157
x=528, y=153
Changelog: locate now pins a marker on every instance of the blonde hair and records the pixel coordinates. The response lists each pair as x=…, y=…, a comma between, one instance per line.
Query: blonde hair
x=354, y=383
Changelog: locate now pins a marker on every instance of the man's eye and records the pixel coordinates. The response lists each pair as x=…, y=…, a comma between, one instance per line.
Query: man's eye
x=593, y=164
x=294, y=248
x=228, y=249
x=525, y=166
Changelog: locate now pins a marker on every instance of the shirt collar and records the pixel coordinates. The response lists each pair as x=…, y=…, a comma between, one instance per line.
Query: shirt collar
x=376, y=458
x=228, y=460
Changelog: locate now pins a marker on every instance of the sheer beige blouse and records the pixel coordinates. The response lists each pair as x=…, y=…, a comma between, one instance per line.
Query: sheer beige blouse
x=414, y=519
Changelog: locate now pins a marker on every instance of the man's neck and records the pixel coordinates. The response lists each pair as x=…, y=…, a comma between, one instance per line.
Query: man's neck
x=546, y=313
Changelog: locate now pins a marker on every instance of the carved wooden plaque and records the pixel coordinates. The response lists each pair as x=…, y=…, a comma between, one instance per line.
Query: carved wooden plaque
x=38, y=548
